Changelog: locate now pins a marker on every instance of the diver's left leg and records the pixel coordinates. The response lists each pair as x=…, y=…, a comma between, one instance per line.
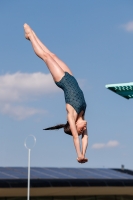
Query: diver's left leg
x=55, y=70
x=60, y=62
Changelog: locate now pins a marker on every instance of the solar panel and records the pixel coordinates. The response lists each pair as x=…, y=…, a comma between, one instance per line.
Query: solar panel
x=62, y=173
x=110, y=174
x=40, y=173
x=94, y=174
x=123, y=89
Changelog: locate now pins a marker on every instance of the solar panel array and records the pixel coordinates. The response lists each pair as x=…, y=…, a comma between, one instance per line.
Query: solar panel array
x=62, y=173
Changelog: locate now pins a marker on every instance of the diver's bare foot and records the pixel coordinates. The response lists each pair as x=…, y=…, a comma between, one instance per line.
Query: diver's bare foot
x=28, y=31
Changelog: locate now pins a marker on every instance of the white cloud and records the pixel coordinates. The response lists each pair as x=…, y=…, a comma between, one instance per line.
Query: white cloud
x=20, y=87
x=82, y=82
x=128, y=27
x=110, y=144
x=20, y=112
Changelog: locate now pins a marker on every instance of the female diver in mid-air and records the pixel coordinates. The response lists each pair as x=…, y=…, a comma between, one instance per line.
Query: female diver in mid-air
x=75, y=102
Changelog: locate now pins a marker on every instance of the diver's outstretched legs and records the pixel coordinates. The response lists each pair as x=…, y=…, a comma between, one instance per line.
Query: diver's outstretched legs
x=60, y=62
x=56, y=71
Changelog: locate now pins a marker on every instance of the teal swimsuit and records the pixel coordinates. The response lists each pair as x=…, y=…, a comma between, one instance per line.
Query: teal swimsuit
x=73, y=94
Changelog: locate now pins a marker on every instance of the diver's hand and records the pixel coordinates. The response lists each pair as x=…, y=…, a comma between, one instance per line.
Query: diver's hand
x=82, y=159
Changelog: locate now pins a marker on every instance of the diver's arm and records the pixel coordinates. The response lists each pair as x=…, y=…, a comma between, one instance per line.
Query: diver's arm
x=84, y=141
x=76, y=141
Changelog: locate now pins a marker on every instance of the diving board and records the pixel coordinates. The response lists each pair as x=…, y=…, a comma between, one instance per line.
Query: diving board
x=123, y=89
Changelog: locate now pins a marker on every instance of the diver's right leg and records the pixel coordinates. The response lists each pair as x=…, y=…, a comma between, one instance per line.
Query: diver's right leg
x=60, y=62
x=52, y=65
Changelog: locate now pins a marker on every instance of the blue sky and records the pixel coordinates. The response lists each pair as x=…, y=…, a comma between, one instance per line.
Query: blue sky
x=95, y=39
